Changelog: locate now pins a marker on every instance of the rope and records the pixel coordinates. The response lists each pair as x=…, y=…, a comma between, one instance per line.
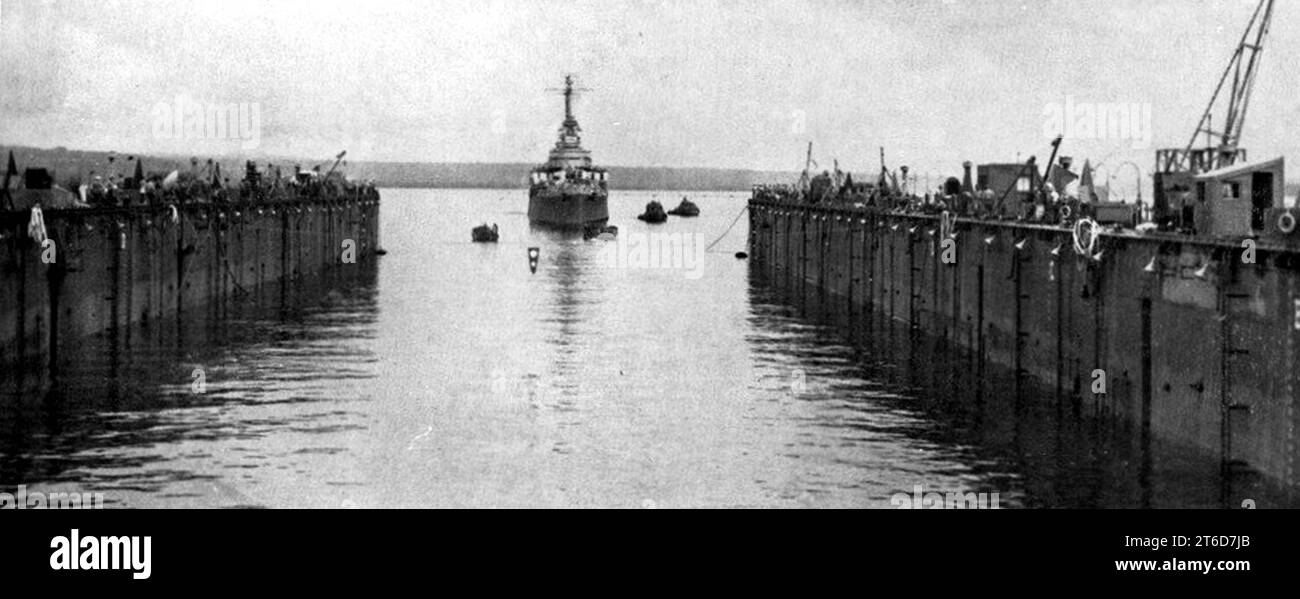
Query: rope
x=729, y=227
x=945, y=224
x=1092, y=227
x=233, y=279
x=36, y=227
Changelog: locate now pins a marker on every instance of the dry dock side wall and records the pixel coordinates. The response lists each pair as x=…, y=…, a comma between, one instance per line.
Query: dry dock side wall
x=118, y=267
x=1195, y=345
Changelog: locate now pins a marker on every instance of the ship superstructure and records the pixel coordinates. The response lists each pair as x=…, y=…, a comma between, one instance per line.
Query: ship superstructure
x=568, y=190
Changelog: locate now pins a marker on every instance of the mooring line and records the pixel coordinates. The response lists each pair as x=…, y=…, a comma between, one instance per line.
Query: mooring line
x=729, y=227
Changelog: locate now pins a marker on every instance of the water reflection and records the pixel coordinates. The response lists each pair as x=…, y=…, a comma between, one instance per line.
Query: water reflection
x=121, y=405
x=976, y=424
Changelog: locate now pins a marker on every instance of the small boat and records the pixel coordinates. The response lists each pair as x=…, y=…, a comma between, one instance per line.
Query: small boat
x=686, y=208
x=485, y=234
x=654, y=213
x=605, y=233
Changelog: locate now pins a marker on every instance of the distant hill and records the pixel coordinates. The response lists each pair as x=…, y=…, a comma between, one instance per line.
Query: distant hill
x=515, y=175
x=69, y=164
x=78, y=164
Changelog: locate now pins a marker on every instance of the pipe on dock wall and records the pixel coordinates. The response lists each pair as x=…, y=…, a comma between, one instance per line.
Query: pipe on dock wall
x=1195, y=347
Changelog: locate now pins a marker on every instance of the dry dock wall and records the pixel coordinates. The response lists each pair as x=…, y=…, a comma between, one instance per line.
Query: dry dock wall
x=117, y=267
x=1196, y=346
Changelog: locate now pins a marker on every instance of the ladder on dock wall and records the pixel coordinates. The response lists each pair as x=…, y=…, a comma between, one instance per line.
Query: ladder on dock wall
x=1232, y=350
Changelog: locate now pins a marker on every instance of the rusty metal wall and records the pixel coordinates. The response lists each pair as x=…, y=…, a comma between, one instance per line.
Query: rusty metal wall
x=118, y=267
x=1197, y=347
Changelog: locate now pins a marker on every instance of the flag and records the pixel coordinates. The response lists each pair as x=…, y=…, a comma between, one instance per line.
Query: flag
x=171, y=180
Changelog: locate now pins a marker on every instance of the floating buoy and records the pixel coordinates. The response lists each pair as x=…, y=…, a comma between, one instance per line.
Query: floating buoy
x=533, y=254
x=654, y=213
x=485, y=234
x=686, y=208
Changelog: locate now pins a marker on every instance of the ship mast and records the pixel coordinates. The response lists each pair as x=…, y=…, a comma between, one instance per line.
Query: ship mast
x=569, y=91
x=568, y=97
x=568, y=152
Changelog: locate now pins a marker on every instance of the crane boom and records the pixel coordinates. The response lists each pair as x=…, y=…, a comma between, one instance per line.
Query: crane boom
x=1242, y=69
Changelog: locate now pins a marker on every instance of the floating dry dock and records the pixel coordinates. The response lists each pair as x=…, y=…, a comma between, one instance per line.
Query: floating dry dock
x=1197, y=347
x=119, y=266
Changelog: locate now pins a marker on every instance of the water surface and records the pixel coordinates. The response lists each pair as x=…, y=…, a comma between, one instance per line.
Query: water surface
x=450, y=375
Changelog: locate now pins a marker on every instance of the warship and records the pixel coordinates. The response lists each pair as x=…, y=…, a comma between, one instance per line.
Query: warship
x=568, y=191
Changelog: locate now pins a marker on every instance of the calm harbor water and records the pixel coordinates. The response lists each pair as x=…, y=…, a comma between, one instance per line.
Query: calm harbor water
x=450, y=375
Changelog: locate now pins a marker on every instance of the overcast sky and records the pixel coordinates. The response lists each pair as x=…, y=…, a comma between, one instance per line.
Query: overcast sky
x=734, y=84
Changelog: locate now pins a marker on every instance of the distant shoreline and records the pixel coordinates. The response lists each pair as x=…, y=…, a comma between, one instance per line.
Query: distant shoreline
x=612, y=188
x=68, y=164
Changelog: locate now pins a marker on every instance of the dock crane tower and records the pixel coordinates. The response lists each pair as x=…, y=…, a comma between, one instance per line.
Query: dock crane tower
x=1175, y=167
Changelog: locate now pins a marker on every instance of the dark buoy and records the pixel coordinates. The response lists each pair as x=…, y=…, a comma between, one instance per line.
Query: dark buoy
x=741, y=255
x=654, y=213
x=485, y=234
x=686, y=208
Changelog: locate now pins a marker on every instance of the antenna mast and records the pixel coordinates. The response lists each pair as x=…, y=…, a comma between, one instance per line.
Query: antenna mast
x=568, y=91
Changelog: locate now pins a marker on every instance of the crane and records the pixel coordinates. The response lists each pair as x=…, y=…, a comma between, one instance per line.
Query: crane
x=1241, y=70
x=1176, y=168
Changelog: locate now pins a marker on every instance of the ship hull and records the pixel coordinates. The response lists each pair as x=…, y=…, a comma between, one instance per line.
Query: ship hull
x=568, y=209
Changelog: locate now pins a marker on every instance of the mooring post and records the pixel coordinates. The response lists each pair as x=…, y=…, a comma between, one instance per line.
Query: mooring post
x=980, y=355
x=912, y=324
x=1017, y=342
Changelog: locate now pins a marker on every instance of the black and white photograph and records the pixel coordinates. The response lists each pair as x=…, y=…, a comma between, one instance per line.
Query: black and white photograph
x=650, y=254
